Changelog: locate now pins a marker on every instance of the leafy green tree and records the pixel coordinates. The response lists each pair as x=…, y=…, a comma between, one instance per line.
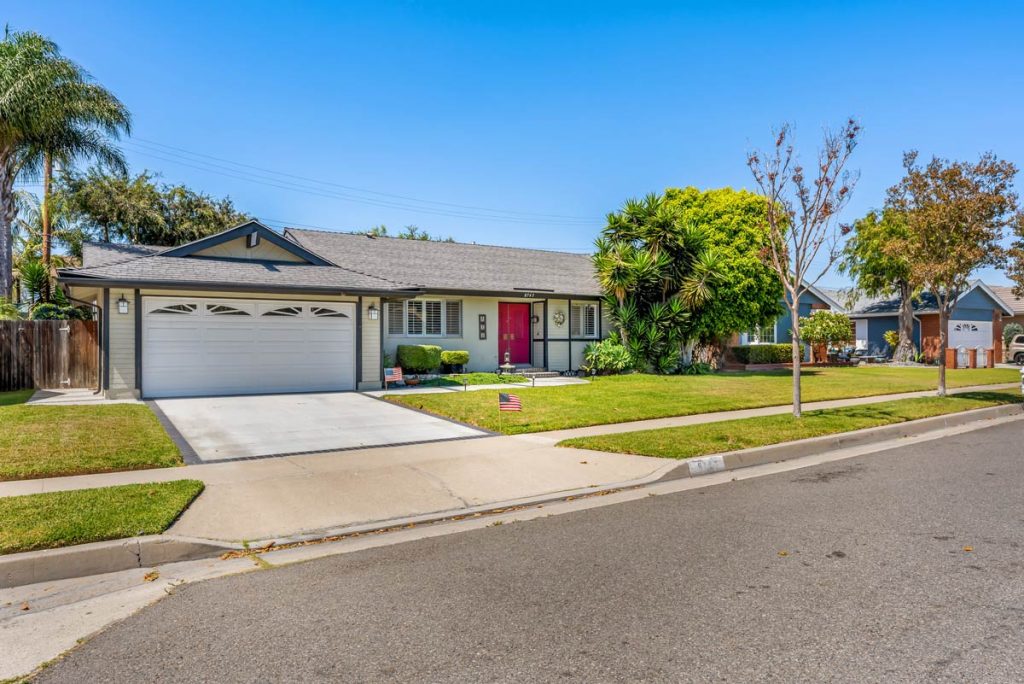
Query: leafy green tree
x=656, y=271
x=117, y=206
x=110, y=204
x=189, y=215
x=747, y=291
x=880, y=272
x=410, y=232
x=828, y=328
x=50, y=108
x=956, y=215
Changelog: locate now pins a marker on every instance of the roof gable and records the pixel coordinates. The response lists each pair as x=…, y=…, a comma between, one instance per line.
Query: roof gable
x=235, y=243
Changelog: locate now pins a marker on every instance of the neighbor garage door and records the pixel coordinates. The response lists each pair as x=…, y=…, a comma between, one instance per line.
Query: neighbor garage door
x=197, y=346
x=970, y=334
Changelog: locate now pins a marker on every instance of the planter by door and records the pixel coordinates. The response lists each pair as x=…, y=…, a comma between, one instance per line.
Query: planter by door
x=514, y=332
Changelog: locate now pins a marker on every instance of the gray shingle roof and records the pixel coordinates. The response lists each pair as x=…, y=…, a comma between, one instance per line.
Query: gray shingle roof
x=157, y=269
x=455, y=266
x=102, y=253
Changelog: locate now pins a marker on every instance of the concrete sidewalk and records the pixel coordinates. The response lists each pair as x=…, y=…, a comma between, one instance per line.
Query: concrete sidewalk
x=276, y=497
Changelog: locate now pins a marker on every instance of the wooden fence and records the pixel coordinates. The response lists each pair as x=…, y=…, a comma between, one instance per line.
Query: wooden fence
x=48, y=354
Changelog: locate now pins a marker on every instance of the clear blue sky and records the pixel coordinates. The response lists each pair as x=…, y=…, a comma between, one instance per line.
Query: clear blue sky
x=538, y=110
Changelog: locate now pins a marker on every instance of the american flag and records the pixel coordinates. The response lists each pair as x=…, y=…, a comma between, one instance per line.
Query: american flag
x=509, y=402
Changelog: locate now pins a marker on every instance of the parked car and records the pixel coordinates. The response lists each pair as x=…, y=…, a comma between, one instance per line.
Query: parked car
x=1015, y=351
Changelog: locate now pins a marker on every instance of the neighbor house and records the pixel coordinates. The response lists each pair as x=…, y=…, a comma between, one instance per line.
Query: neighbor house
x=976, y=321
x=780, y=331
x=250, y=310
x=1015, y=303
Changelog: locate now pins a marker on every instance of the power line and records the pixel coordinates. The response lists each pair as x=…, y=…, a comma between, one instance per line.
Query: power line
x=188, y=154
x=319, y=192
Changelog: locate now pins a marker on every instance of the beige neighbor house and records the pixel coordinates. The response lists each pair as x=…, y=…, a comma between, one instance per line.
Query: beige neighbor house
x=250, y=310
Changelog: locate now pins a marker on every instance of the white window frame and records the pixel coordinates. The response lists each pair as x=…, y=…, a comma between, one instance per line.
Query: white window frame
x=754, y=336
x=421, y=304
x=580, y=317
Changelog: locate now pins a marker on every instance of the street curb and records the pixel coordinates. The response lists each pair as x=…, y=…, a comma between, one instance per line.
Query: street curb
x=82, y=560
x=715, y=463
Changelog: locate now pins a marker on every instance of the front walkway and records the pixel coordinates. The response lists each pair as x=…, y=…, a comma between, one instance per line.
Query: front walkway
x=285, y=496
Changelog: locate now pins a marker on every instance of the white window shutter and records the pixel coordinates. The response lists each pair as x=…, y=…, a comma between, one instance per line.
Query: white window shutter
x=432, y=318
x=453, y=318
x=415, y=317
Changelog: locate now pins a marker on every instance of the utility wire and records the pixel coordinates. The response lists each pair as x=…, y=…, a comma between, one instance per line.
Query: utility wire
x=187, y=154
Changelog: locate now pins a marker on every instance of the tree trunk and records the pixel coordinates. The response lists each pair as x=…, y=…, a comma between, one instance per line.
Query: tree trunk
x=943, y=341
x=905, y=350
x=687, y=351
x=45, y=219
x=8, y=212
x=794, y=313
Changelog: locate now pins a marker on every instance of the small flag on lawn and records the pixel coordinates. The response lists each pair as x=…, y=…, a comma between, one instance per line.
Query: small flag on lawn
x=509, y=402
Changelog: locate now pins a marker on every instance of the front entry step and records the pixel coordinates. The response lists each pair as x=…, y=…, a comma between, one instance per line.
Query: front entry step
x=537, y=373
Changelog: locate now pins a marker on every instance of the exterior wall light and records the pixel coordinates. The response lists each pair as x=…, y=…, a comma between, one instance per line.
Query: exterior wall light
x=373, y=312
x=122, y=305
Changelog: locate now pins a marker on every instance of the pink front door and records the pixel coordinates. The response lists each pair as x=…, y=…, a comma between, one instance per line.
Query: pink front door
x=514, y=332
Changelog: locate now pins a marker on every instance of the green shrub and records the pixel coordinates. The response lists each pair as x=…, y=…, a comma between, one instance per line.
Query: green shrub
x=60, y=313
x=419, y=358
x=765, y=353
x=454, y=358
x=1010, y=330
x=892, y=338
x=606, y=356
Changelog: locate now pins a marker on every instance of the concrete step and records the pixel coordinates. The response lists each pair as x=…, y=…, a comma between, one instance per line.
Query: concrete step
x=538, y=373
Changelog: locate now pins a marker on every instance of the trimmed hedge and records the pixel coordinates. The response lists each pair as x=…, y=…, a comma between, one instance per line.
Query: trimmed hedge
x=765, y=353
x=454, y=358
x=419, y=358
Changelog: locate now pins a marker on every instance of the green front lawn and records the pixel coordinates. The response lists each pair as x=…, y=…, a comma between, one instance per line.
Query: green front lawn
x=460, y=379
x=623, y=398
x=15, y=397
x=47, y=441
x=54, y=519
x=731, y=435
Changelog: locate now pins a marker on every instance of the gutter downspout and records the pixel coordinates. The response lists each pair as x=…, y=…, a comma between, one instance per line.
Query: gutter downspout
x=98, y=312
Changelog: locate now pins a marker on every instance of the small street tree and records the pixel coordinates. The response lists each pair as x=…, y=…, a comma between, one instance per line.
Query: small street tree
x=956, y=214
x=801, y=208
x=878, y=271
x=827, y=328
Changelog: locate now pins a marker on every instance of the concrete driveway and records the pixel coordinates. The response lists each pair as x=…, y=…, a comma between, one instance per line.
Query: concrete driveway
x=221, y=428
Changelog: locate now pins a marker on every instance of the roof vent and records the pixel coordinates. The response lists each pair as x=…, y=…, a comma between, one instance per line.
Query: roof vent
x=252, y=239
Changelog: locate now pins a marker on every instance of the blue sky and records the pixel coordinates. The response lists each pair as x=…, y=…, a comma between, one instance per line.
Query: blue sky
x=525, y=123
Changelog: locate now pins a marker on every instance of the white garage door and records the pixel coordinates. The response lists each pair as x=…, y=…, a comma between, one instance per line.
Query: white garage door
x=970, y=334
x=195, y=346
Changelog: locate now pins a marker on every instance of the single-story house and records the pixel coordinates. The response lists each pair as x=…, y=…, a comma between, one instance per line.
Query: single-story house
x=250, y=310
x=1015, y=303
x=780, y=330
x=976, y=321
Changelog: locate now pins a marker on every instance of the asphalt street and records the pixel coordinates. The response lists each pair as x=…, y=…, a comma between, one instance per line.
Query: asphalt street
x=904, y=565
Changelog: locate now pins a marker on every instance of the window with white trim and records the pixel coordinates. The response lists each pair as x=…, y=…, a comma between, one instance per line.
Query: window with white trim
x=583, y=320
x=424, y=318
x=762, y=334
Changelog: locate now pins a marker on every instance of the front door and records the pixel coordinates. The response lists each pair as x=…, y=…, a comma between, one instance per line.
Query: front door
x=514, y=332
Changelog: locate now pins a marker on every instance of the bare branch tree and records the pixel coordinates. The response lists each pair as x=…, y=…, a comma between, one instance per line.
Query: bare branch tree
x=801, y=211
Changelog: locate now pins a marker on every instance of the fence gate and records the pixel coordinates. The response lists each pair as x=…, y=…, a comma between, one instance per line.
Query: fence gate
x=48, y=354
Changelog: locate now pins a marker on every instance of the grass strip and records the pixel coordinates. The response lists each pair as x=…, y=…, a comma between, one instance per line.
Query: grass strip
x=732, y=435
x=15, y=397
x=51, y=441
x=56, y=519
x=624, y=398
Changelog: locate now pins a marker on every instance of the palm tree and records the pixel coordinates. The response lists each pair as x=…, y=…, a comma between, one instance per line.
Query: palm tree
x=50, y=110
x=32, y=276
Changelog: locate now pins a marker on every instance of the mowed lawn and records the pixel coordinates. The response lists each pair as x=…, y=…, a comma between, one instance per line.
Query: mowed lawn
x=48, y=441
x=623, y=398
x=732, y=435
x=54, y=519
